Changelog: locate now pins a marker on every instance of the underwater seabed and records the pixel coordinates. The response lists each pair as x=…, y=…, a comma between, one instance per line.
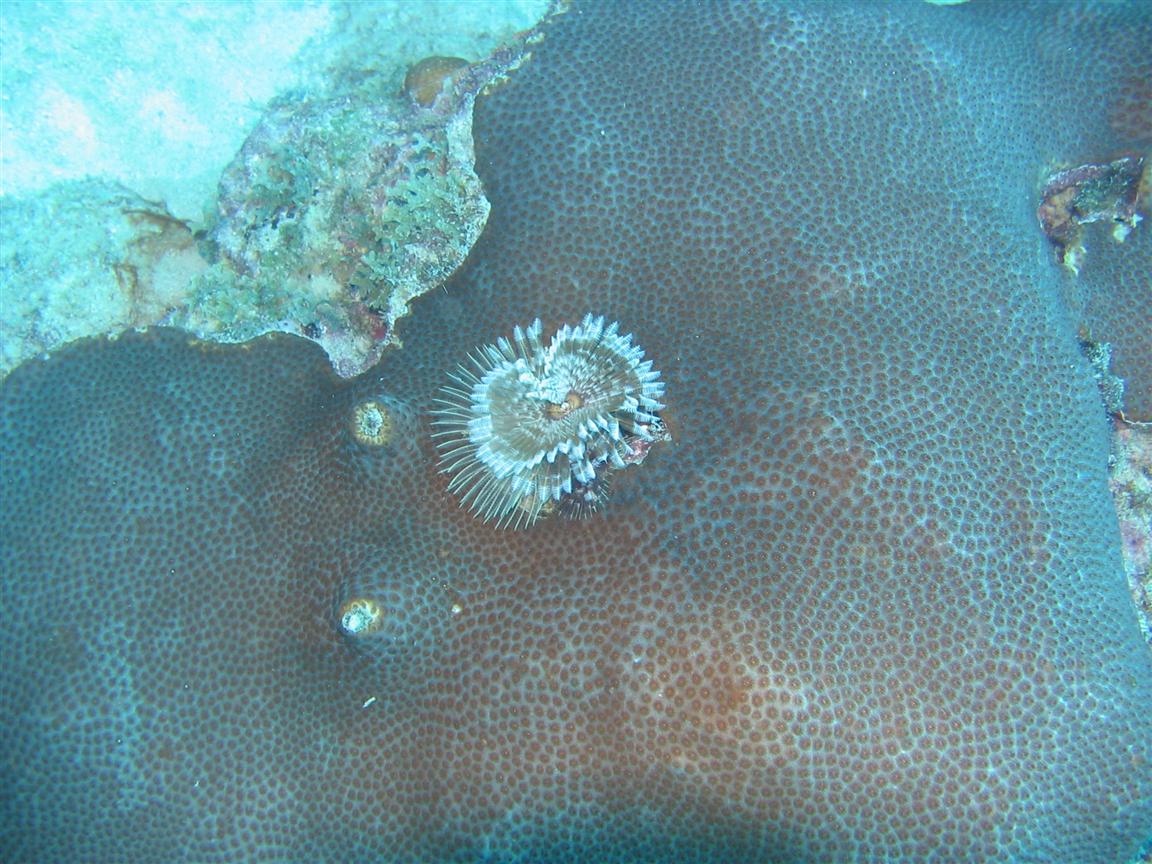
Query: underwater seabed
x=650, y=432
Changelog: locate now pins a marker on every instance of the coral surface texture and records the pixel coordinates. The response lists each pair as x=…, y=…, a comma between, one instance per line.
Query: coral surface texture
x=866, y=605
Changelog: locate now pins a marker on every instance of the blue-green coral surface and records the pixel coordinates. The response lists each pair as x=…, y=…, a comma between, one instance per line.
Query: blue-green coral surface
x=867, y=606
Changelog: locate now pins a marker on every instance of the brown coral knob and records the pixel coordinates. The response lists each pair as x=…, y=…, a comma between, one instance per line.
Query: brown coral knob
x=426, y=79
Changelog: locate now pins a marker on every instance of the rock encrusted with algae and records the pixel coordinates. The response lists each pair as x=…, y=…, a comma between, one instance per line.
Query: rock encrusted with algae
x=349, y=198
x=1130, y=481
x=1113, y=193
x=338, y=212
x=87, y=256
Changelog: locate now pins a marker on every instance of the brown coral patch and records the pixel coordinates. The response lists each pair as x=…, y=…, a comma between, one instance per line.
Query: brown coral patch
x=425, y=80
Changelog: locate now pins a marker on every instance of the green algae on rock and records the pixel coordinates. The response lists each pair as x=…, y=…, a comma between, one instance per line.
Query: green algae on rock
x=339, y=211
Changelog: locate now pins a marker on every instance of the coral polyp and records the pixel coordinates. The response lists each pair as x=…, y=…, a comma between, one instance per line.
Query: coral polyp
x=525, y=429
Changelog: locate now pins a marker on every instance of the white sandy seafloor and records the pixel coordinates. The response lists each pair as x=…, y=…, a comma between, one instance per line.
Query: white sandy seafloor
x=159, y=96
